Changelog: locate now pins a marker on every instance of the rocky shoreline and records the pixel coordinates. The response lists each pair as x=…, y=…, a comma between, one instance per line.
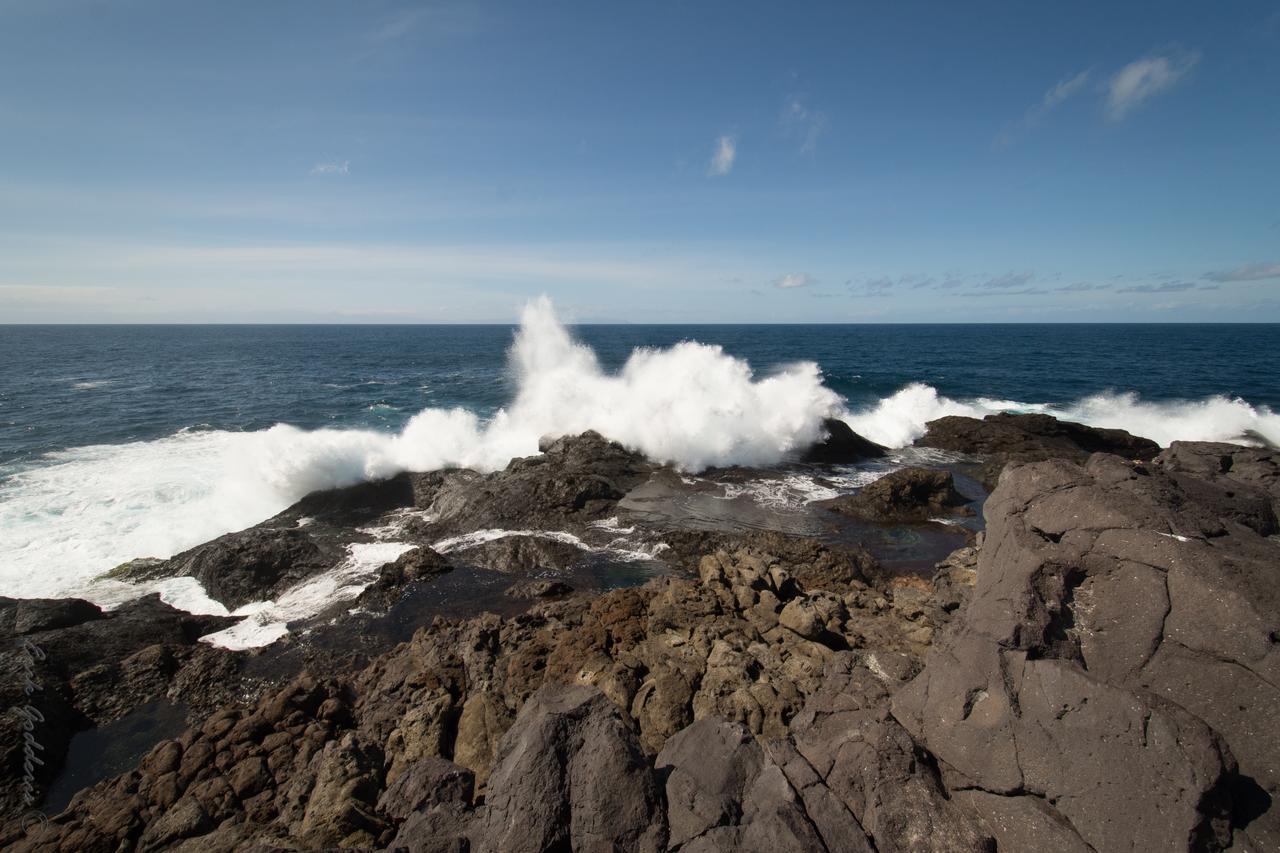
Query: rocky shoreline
x=1098, y=669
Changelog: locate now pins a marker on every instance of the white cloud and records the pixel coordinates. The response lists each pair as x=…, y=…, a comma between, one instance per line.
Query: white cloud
x=1144, y=78
x=1060, y=92
x=332, y=168
x=792, y=280
x=726, y=152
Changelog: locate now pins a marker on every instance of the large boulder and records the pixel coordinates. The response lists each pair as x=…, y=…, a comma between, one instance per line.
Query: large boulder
x=252, y=565
x=574, y=480
x=1008, y=437
x=1251, y=467
x=725, y=793
x=841, y=445
x=523, y=553
x=66, y=665
x=570, y=775
x=908, y=494
x=1115, y=668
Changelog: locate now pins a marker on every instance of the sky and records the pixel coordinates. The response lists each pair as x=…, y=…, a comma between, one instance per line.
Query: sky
x=371, y=161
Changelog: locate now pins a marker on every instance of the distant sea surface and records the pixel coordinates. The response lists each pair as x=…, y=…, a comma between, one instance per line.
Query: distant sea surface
x=121, y=441
x=68, y=386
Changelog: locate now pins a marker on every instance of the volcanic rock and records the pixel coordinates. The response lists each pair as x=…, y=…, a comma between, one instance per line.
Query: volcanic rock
x=570, y=775
x=522, y=553
x=908, y=494
x=573, y=481
x=840, y=444
x=67, y=665
x=1116, y=662
x=256, y=564
x=1006, y=437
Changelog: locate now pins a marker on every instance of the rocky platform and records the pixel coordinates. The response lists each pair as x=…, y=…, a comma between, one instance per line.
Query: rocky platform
x=1099, y=672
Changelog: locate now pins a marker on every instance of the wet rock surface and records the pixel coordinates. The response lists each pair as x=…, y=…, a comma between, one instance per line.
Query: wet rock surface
x=1006, y=437
x=908, y=494
x=840, y=444
x=1096, y=671
x=66, y=665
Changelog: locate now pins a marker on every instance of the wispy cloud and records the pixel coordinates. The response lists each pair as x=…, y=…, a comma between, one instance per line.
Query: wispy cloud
x=793, y=280
x=1144, y=78
x=1166, y=287
x=803, y=123
x=437, y=18
x=1248, y=272
x=1081, y=287
x=332, y=168
x=1051, y=99
x=1008, y=281
x=722, y=158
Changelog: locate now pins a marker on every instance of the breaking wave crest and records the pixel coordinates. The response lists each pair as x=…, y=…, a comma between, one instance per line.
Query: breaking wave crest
x=81, y=511
x=900, y=419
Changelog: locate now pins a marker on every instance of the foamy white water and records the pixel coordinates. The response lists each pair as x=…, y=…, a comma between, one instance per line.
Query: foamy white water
x=83, y=511
x=898, y=420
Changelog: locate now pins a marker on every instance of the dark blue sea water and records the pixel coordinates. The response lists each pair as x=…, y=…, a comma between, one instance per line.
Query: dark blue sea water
x=69, y=386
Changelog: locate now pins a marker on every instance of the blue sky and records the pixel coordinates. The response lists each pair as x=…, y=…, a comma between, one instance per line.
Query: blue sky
x=660, y=162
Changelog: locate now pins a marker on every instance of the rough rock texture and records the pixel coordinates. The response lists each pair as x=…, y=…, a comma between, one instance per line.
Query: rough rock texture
x=570, y=775
x=1007, y=437
x=1097, y=672
x=1226, y=464
x=574, y=480
x=908, y=494
x=543, y=588
x=315, y=764
x=522, y=554
x=1116, y=667
x=250, y=565
x=840, y=444
x=413, y=566
x=74, y=666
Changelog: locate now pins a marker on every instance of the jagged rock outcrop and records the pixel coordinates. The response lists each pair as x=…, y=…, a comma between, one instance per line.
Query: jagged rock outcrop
x=1252, y=467
x=570, y=775
x=256, y=564
x=67, y=665
x=1007, y=437
x=1097, y=672
x=907, y=494
x=522, y=553
x=313, y=764
x=1116, y=666
x=572, y=481
x=841, y=445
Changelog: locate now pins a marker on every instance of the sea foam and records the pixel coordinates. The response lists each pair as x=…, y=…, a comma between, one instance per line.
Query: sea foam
x=79, y=512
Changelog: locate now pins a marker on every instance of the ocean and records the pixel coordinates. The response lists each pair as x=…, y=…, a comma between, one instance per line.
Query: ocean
x=127, y=441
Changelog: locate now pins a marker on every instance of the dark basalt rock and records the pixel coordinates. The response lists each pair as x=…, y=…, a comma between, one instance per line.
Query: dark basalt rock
x=252, y=565
x=83, y=666
x=1007, y=437
x=352, y=506
x=1116, y=663
x=840, y=444
x=570, y=775
x=522, y=554
x=20, y=616
x=413, y=566
x=1098, y=673
x=538, y=589
x=1226, y=465
x=908, y=494
x=726, y=793
x=575, y=480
